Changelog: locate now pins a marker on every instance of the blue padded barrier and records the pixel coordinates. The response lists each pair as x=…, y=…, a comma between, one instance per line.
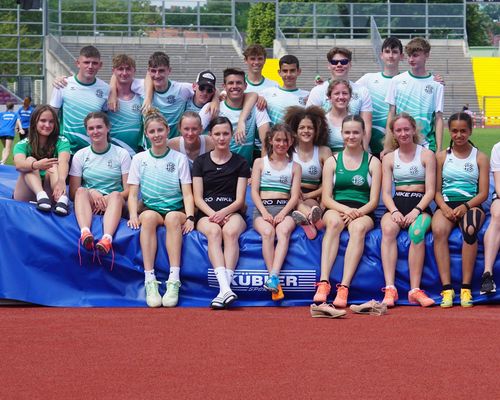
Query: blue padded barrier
x=39, y=263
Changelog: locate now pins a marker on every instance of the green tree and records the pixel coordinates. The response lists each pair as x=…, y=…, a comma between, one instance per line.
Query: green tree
x=479, y=25
x=261, y=24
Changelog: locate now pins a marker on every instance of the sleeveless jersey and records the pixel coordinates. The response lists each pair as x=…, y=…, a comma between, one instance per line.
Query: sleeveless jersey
x=311, y=170
x=126, y=125
x=411, y=173
x=460, y=177
x=203, y=150
x=352, y=185
x=335, y=140
x=272, y=180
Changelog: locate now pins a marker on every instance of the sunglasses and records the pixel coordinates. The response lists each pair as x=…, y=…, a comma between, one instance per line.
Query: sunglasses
x=344, y=61
x=205, y=88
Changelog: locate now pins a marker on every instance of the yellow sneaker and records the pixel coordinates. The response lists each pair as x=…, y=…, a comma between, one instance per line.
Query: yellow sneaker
x=448, y=296
x=466, y=298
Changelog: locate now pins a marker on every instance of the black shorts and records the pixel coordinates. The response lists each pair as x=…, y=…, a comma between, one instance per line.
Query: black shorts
x=218, y=203
x=407, y=201
x=455, y=204
x=357, y=204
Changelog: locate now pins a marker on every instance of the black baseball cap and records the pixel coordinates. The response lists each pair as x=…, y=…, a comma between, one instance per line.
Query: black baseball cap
x=206, y=78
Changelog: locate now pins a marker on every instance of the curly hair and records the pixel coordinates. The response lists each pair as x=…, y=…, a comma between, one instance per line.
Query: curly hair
x=295, y=114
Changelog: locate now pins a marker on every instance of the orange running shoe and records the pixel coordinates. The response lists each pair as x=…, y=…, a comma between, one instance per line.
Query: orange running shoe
x=322, y=292
x=104, y=245
x=341, y=298
x=418, y=296
x=390, y=297
x=87, y=240
x=279, y=295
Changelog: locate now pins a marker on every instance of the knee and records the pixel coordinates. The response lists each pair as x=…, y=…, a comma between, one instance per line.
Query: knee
x=283, y=232
x=418, y=228
x=230, y=234
x=173, y=220
x=213, y=233
x=148, y=219
x=333, y=225
x=267, y=233
x=81, y=191
x=389, y=231
x=114, y=197
x=439, y=232
x=357, y=230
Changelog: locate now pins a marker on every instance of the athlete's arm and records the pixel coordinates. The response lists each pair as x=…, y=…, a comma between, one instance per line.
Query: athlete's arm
x=113, y=94
x=133, y=192
x=439, y=131
x=62, y=173
x=375, y=171
x=249, y=101
x=187, y=197
x=388, y=132
x=367, y=117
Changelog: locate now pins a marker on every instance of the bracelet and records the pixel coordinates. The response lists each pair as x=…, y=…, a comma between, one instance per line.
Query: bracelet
x=190, y=218
x=420, y=211
x=32, y=165
x=395, y=211
x=467, y=206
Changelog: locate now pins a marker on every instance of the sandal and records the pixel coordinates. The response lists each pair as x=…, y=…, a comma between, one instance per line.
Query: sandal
x=371, y=307
x=326, y=311
x=61, y=209
x=43, y=204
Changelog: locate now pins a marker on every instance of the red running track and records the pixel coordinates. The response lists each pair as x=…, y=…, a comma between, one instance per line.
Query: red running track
x=248, y=353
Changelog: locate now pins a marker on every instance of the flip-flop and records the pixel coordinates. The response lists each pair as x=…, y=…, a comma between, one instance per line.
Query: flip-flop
x=326, y=311
x=371, y=307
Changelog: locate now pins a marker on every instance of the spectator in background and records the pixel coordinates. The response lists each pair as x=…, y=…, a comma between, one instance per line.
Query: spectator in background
x=7, y=123
x=23, y=118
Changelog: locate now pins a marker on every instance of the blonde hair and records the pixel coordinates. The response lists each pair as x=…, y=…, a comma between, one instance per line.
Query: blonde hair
x=391, y=142
x=154, y=114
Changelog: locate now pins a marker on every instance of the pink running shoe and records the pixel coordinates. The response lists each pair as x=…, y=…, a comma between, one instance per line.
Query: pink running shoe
x=418, y=296
x=341, y=298
x=390, y=297
x=322, y=292
x=300, y=219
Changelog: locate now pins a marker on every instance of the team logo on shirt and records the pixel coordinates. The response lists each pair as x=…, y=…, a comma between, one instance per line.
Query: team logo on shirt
x=429, y=89
x=302, y=101
x=171, y=99
x=170, y=167
x=413, y=170
x=284, y=179
x=99, y=93
x=357, y=180
x=355, y=96
x=397, y=166
x=136, y=107
x=468, y=167
x=313, y=170
x=110, y=164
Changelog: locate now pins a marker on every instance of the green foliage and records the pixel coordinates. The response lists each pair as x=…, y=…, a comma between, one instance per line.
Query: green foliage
x=261, y=24
x=479, y=24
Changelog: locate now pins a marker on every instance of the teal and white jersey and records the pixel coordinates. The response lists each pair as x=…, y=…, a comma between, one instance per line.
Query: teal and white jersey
x=101, y=171
x=279, y=99
x=312, y=169
x=460, y=177
x=76, y=100
x=259, y=87
x=254, y=121
x=171, y=102
x=160, y=179
x=274, y=180
x=126, y=125
x=360, y=99
x=190, y=106
x=377, y=84
x=422, y=98
x=335, y=140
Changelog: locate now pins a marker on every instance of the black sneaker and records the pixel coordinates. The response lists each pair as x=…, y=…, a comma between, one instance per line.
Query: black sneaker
x=487, y=284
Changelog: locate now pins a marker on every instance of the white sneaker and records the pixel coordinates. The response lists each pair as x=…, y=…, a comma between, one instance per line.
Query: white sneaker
x=171, y=296
x=153, y=298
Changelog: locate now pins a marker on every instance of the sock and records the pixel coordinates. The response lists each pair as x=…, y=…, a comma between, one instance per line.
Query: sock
x=220, y=273
x=174, y=274
x=230, y=276
x=63, y=199
x=149, y=275
x=85, y=229
x=41, y=195
x=447, y=287
x=466, y=286
x=107, y=235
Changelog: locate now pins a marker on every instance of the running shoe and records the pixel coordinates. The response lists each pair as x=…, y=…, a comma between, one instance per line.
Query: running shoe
x=315, y=217
x=301, y=220
x=171, y=296
x=87, y=240
x=153, y=298
x=390, y=297
x=322, y=292
x=279, y=295
x=104, y=246
x=326, y=311
x=448, y=296
x=466, y=298
x=341, y=298
x=487, y=284
x=419, y=297
x=272, y=283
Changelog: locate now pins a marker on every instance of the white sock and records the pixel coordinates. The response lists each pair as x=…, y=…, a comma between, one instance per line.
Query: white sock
x=220, y=273
x=229, y=275
x=85, y=229
x=149, y=275
x=41, y=195
x=107, y=235
x=63, y=199
x=174, y=275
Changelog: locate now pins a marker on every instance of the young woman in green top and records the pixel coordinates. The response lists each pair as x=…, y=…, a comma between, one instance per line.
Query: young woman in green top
x=351, y=190
x=42, y=160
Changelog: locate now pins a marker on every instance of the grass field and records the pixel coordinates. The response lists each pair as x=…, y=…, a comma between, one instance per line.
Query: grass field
x=484, y=139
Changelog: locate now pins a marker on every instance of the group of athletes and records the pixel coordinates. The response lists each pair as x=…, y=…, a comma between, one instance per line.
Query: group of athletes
x=161, y=152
